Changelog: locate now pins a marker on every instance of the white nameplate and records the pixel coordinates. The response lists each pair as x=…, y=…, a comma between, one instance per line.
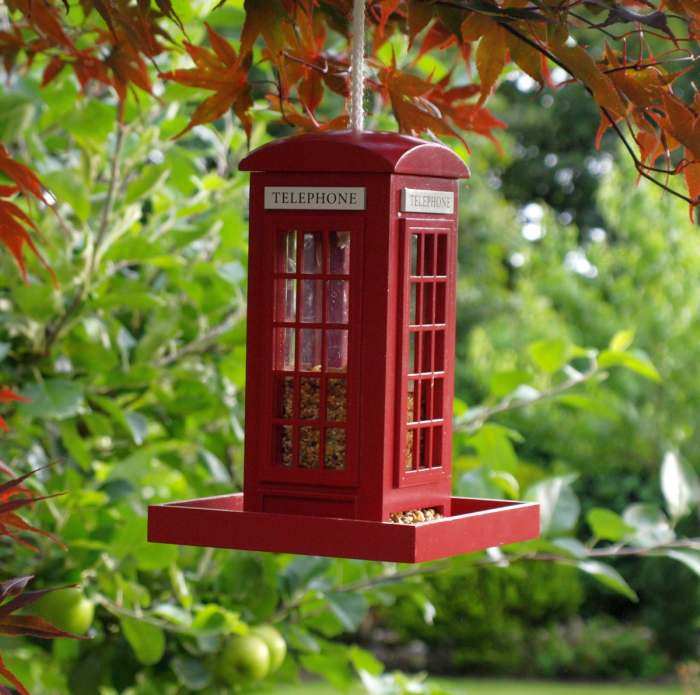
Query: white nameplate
x=302, y=198
x=435, y=202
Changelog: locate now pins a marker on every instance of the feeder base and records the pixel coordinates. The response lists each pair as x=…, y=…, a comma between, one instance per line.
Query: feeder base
x=220, y=522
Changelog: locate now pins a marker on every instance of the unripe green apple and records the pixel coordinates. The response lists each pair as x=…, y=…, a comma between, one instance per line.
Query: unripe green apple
x=67, y=609
x=275, y=643
x=245, y=658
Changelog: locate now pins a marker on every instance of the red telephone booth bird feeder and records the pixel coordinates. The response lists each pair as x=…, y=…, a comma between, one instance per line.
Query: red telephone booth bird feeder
x=351, y=333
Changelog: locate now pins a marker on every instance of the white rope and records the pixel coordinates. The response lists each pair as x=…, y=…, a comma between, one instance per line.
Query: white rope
x=357, y=67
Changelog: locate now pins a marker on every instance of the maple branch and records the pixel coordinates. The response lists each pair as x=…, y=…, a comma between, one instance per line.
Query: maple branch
x=642, y=169
x=54, y=330
x=471, y=424
x=109, y=203
x=202, y=342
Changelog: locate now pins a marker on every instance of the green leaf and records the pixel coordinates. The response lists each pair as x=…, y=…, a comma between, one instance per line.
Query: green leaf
x=550, y=355
x=680, y=485
x=191, y=673
x=494, y=447
x=635, y=362
x=147, y=641
x=651, y=527
x=363, y=660
x=690, y=558
x=607, y=525
x=55, y=398
x=621, y=341
x=68, y=187
x=349, y=608
x=608, y=576
x=559, y=506
x=150, y=177
x=75, y=444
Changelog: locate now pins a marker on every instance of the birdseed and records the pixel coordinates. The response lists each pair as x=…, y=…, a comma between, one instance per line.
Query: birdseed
x=415, y=516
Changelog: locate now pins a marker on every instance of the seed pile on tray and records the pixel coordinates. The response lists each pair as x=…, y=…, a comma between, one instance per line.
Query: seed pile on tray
x=415, y=516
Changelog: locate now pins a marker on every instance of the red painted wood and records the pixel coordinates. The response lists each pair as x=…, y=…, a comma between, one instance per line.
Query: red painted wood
x=319, y=510
x=221, y=522
x=349, y=152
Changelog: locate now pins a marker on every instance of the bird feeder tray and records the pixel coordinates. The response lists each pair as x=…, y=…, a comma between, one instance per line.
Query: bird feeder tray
x=221, y=522
x=352, y=281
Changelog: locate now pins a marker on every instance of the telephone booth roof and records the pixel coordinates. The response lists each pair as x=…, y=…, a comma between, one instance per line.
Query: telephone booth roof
x=349, y=152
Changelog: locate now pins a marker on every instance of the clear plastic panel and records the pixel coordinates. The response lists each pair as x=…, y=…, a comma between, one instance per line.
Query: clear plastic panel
x=337, y=350
x=287, y=258
x=284, y=349
x=311, y=301
x=337, y=301
x=339, y=253
x=312, y=253
x=286, y=300
x=310, y=350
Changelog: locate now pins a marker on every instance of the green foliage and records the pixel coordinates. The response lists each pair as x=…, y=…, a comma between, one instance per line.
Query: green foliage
x=135, y=370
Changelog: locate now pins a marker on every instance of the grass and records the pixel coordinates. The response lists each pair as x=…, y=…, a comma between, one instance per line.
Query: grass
x=506, y=687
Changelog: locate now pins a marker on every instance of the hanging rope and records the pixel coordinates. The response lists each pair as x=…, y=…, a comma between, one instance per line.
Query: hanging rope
x=357, y=67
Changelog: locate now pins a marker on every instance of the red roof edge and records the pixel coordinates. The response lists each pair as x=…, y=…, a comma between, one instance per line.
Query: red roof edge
x=345, y=151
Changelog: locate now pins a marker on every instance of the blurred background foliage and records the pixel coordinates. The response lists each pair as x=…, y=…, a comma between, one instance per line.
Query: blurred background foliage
x=135, y=370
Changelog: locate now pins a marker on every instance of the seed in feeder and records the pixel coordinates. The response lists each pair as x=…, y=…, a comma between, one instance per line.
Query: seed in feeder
x=408, y=464
x=334, y=458
x=285, y=446
x=285, y=391
x=309, y=447
x=336, y=400
x=415, y=516
x=310, y=398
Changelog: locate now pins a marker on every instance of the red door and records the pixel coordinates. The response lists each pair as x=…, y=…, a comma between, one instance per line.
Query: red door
x=425, y=384
x=315, y=267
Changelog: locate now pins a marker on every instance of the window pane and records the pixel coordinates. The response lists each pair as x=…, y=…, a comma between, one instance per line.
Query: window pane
x=334, y=458
x=310, y=350
x=287, y=258
x=426, y=352
x=411, y=401
x=442, y=255
x=337, y=400
x=429, y=254
x=413, y=344
x=439, y=362
x=428, y=309
x=339, y=253
x=438, y=397
x=286, y=300
x=310, y=398
x=312, y=253
x=414, y=254
x=413, y=302
x=284, y=397
x=410, y=446
x=337, y=350
x=440, y=302
x=311, y=301
x=337, y=301
x=425, y=394
x=310, y=447
x=284, y=349
x=283, y=445
x=437, y=448
x=423, y=447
